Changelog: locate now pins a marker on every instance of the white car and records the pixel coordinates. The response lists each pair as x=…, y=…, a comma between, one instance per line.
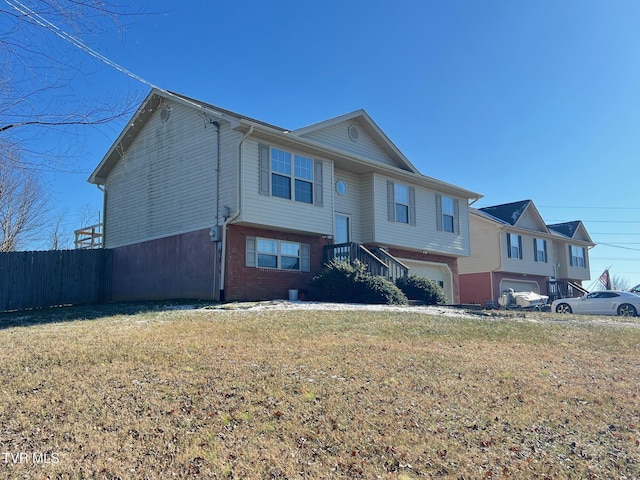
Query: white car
x=604, y=302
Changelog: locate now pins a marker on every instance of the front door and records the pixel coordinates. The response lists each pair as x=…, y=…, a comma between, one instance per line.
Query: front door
x=342, y=229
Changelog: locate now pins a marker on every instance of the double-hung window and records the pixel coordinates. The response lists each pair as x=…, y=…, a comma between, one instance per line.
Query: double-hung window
x=280, y=173
x=540, y=250
x=514, y=246
x=290, y=175
x=401, y=203
x=303, y=179
x=277, y=254
x=447, y=214
x=577, y=257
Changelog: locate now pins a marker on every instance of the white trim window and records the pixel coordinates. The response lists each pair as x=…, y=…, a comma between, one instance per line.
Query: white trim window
x=577, y=256
x=447, y=214
x=277, y=254
x=401, y=203
x=514, y=246
x=540, y=250
x=290, y=175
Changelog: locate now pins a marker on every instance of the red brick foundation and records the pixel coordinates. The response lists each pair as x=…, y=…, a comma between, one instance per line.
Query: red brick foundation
x=251, y=283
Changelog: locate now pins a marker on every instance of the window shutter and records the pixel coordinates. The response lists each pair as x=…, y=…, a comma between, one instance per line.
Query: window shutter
x=264, y=169
x=544, y=246
x=305, y=257
x=251, y=252
x=456, y=216
x=508, y=245
x=412, y=206
x=520, y=247
x=535, y=249
x=391, y=201
x=317, y=183
x=439, y=212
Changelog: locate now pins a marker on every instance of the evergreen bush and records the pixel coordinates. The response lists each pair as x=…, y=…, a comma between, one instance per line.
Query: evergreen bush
x=347, y=282
x=422, y=289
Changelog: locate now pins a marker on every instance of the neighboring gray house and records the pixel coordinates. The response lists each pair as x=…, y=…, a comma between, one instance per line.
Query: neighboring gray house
x=512, y=247
x=201, y=202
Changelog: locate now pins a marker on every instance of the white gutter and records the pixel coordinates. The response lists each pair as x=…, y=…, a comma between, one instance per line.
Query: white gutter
x=229, y=220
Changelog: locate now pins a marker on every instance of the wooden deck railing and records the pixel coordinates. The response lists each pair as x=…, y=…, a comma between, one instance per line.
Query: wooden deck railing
x=89, y=237
x=378, y=262
x=564, y=289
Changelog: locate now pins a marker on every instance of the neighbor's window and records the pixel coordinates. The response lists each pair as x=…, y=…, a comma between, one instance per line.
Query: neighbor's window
x=577, y=256
x=402, y=203
x=540, y=250
x=514, y=246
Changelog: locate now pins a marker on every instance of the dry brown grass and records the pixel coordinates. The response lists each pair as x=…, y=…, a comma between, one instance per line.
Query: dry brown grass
x=312, y=394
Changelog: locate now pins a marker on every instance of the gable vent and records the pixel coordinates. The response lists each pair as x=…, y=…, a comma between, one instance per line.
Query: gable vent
x=353, y=133
x=165, y=113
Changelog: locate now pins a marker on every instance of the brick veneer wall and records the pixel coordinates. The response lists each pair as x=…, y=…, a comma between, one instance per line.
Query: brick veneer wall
x=251, y=283
x=180, y=266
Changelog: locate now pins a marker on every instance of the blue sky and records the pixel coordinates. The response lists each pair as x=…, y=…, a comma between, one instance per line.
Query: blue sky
x=514, y=100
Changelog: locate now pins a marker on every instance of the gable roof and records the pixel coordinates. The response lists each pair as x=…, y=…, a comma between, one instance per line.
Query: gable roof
x=574, y=230
x=364, y=121
x=269, y=132
x=507, y=213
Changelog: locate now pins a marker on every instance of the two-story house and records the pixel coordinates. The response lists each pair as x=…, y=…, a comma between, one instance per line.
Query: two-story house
x=512, y=247
x=201, y=202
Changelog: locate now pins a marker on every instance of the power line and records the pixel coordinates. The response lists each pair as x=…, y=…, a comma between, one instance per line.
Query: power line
x=43, y=22
x=618, y=246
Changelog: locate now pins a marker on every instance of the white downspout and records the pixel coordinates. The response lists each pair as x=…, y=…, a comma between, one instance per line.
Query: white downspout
x=227, y=221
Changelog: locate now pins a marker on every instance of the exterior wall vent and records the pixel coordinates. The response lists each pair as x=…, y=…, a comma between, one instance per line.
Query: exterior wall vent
x=353, y=133
x=165, y=113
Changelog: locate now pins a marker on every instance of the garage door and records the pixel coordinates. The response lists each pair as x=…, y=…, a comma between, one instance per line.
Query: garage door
x=519, y=286
x=437, y=272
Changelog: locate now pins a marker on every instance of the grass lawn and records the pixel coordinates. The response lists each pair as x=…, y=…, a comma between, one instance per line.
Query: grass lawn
x=128, y=391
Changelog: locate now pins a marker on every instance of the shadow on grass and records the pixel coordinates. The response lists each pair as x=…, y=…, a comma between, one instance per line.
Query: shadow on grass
x=72, y=313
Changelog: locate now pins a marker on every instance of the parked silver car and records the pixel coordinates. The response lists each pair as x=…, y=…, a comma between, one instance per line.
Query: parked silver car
x=603, y=302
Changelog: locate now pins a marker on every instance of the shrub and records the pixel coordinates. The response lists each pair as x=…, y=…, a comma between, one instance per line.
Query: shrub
x=345, y=282
x=422, y=289
x=376, y=289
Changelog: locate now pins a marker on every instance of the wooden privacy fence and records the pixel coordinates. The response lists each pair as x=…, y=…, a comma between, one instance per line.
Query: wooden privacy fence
x=57, y=277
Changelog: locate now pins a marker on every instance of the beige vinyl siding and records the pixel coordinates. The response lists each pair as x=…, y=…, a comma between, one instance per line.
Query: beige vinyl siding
x=350, y=202
x=165, y=182
x=527, y=264
x=336, y=136
x=368, y=208
x=280, y=213
x=424, y=235
x=485, y=250
x=530, y=221
x=566, y=270
x=229, y=169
